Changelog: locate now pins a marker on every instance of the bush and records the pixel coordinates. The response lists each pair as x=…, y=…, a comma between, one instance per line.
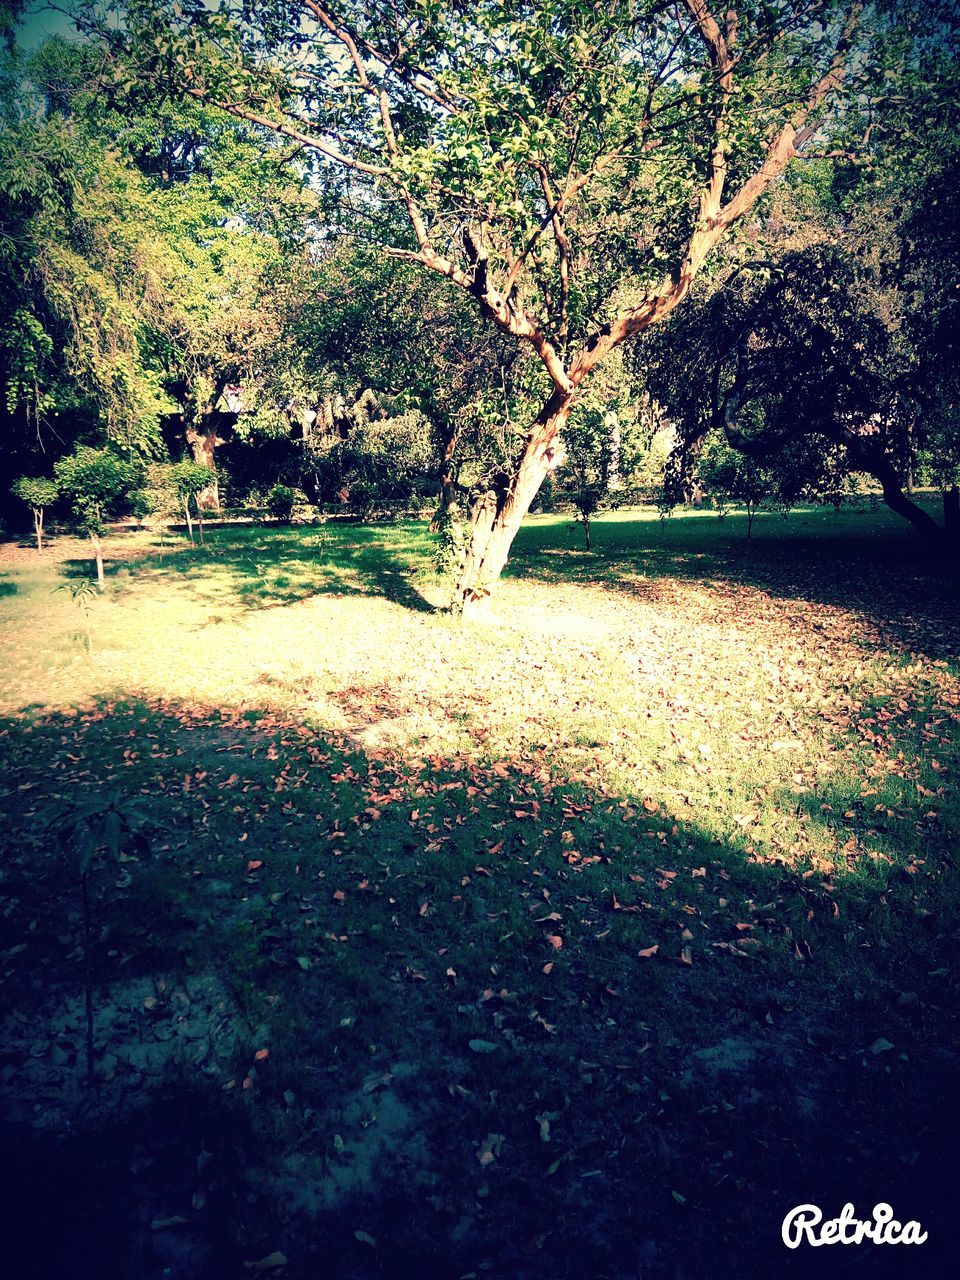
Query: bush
x=361, y=496
x=280, y=502
x=383, y=461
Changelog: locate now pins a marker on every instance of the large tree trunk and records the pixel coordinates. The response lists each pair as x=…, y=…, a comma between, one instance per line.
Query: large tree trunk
x=204, y=443
x=893, y=495
x=449, y=502
x=498, y=514
x=951, y=514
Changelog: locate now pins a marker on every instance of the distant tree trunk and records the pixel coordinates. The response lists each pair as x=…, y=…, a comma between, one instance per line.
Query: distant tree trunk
x=497, y=514
x=38, y=528
x=199, y=517
x=586, y=530
x=186, y=512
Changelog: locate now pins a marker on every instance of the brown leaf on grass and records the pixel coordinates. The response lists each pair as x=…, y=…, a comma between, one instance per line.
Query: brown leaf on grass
x=555, y=941
x=490, y=1148
x=686, y=955
x=272, y=1262
x=618, y=906
x=728, y=946
x=647, y=952
x=373, y=1083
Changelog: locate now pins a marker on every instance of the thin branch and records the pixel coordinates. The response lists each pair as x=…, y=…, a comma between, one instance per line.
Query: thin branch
x=316, y=144
x=563, y=250
x=780, y=151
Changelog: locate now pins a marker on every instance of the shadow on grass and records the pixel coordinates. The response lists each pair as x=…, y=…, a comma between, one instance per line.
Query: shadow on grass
x=356, y=993
x=254, y=567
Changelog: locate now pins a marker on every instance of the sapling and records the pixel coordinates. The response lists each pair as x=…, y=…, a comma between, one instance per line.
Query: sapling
x=103, y=825
x=83, y=592
x=95, y=481
x=38, y=492
x=189, y=480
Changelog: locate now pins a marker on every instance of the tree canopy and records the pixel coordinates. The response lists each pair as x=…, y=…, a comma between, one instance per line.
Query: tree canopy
x=225, y=224
x=570, y=168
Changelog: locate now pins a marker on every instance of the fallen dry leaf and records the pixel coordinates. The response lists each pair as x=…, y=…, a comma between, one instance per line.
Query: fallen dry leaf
x=490, y=1147
x=270, y=1263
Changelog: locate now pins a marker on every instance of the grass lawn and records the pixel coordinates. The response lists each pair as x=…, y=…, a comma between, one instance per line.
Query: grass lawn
x=585, y=941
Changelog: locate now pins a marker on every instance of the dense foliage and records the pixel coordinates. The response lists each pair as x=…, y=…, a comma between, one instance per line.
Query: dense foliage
x=527, y=233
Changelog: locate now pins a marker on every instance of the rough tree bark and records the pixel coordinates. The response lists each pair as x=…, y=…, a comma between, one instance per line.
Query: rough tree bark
x=98, y=556
x=499, y=512
x=204, y=441
x=883, y=471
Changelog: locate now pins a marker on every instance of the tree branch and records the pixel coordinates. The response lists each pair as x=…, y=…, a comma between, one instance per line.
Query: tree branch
x=780, y=151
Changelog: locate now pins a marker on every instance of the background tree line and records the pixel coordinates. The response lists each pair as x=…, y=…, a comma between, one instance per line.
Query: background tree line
x=406, y=271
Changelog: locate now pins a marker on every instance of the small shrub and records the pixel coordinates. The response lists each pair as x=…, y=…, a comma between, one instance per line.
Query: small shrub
x=280, y=502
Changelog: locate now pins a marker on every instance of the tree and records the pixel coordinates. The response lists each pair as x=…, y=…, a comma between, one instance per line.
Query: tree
x=159, y=496
x=143, y=268
x=362, y=315
x=731, y=478
x=87, y=283
x=38, y=492
x=367, y=454
x=810, y=373
x=95, y=480
x=589, y=448
x=189, y=480
x=569, y=167
x=828, y=347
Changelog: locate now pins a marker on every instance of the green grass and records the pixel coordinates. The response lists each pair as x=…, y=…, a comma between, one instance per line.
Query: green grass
x=419, y=865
